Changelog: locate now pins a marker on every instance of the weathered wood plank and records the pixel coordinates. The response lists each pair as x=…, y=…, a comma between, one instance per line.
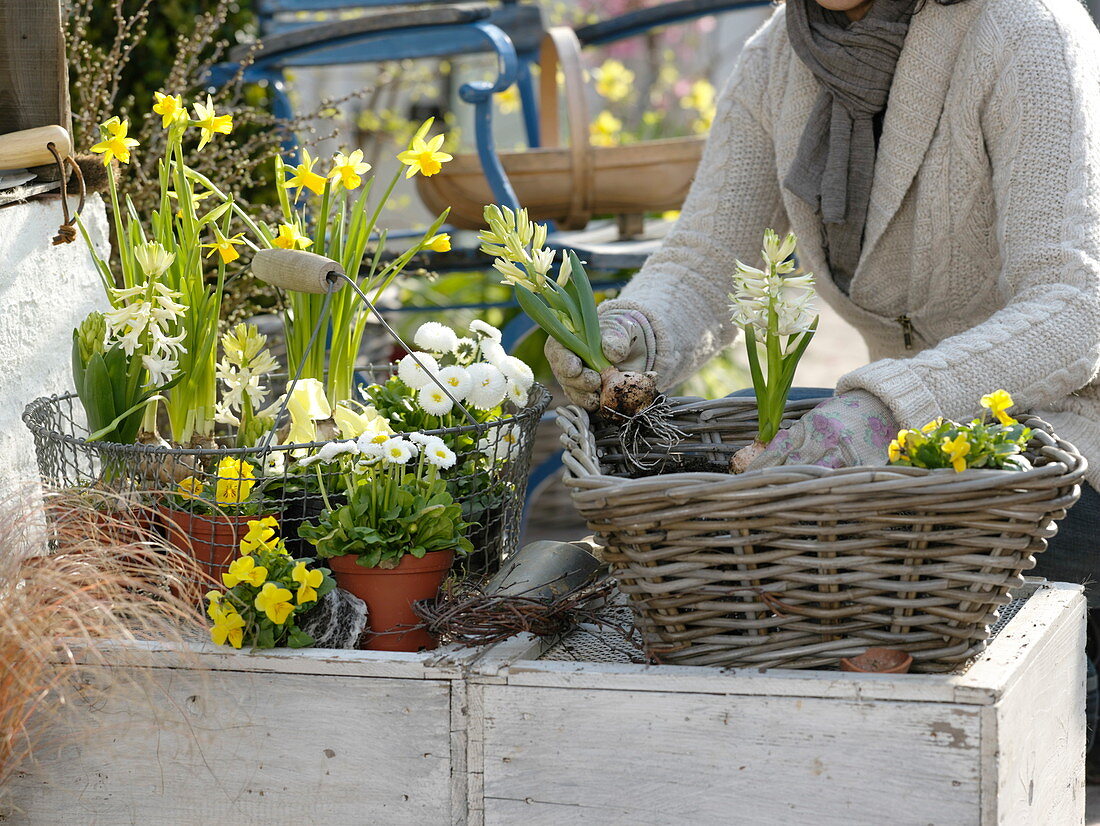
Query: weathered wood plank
x=576, y=756
x=234, y=747
x=34, y=76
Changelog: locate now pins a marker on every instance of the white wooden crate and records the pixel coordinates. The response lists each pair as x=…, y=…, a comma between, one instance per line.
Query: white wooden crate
x=1002, y=743
x=499, y=737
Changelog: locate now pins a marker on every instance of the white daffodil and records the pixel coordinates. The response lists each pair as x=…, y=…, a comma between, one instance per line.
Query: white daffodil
x=409, y=369
x=353, y=424
x=434, y=401
x=487, y=386
x=307, y=405
x=456, y=379
x=435, y=338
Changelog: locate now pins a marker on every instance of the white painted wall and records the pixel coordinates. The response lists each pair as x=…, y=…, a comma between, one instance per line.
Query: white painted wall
x=45, y=291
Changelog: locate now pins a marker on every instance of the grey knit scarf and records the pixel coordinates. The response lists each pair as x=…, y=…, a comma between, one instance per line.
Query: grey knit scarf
x=854, y=63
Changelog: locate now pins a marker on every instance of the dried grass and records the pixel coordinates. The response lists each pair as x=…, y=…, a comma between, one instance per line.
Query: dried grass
x=102, y=581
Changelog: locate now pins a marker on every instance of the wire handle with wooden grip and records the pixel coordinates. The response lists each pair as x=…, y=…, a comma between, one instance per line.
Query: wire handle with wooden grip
x=30, y=147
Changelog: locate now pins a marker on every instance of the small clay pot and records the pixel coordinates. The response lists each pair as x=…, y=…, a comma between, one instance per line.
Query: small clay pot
x=213, y=540
x=390, y=593
x=879, y=661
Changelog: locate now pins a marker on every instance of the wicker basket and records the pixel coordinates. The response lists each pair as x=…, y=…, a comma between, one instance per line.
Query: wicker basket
x=800, y=566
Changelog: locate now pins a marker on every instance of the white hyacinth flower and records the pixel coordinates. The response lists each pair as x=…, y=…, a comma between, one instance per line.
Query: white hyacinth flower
x=517, y=372
x=456, y=379
x=153, y=259
x=434, y=401
x=162, y=369
x=483, y=329
x=488, y=386
x=435, y=338
x=410, y=372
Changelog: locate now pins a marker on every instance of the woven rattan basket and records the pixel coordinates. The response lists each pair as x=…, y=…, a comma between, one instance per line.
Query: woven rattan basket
x=800, y=566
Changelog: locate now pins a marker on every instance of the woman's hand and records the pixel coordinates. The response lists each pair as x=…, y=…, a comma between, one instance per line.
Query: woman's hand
x=854, y=428
x=628, y=343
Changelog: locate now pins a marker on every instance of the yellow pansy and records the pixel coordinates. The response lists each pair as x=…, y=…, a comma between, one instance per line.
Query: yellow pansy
x=290, y=238
x=115, y=144
x=424, y=157
x=932, y=425
x=275, y=602
x=225, y=247
x=604, y=131
x=956, y=450
x=214, y=609
x=894, y=451
x=244, y=570
x=439, y=243
x=210, y=122
x=347, y=169
x=308, y=582
x=169, y=107
x=259, y=535
x=613, y=80
x=228, y=627
x=189, y=488
x=235, y=481
x=997, y=403
x=304, y=176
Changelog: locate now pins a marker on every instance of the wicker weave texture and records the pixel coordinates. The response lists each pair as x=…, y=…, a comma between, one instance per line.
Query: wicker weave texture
x=800, y=566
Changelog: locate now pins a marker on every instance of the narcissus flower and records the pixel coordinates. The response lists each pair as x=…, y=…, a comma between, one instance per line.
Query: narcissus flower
x=228, y=627
x=210, y=122
x=244, y=570
x=290, y=238
x=424, y=157
x=439, y=243
x=169, y=107
x=225, y=247
x=308, y=582
x=307, y=405
x=115, y=143
x=275, y=602
x=997, y=403
x=347, y=169
x=304, y=176
x=956, y=450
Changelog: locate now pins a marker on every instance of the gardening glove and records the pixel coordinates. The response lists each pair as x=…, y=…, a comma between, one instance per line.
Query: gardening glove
x=628, y=343
x=854, y=428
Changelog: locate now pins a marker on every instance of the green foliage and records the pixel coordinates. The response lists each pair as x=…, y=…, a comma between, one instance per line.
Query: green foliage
x=978, y=444
x=381, y=523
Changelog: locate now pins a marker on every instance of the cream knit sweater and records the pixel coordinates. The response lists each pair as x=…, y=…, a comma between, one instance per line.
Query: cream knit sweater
x=983, y=235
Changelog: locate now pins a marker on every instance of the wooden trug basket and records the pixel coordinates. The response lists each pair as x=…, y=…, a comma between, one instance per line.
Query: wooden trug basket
x=799, y=566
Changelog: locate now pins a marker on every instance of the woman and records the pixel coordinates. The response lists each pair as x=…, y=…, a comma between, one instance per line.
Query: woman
x=940, y=165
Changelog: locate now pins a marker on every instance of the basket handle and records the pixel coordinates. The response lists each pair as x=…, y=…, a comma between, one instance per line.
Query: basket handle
x=579, y=457
x=561, y=46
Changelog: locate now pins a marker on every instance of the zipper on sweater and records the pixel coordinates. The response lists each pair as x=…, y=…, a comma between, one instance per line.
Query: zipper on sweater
x=906, y=330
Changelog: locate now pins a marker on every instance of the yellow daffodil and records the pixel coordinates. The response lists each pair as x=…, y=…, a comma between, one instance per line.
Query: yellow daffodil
x=228, y=627
x=347, y=169
x=424, y=157
x=115, y=144
x=308, y=582
x=225, y=247
x=189, y=488
x=307, y=405
x=956, y=450
x=244, y=570
x=604, y=131
x=304, y=176
x=290, y=238
x=353, y=424
x=275, y=602
x=235, y=481
x=260, y=534
x=997, y=403
x=439, y=243
x=210, y=122
x=169, y=107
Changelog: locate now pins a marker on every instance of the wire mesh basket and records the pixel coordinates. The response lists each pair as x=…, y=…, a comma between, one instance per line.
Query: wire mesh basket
x=488, y=480
x=799, y=566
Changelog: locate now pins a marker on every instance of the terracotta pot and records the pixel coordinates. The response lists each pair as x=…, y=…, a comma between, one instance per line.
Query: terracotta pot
x=390, y=594
x=213, y=540
x=879, y=661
